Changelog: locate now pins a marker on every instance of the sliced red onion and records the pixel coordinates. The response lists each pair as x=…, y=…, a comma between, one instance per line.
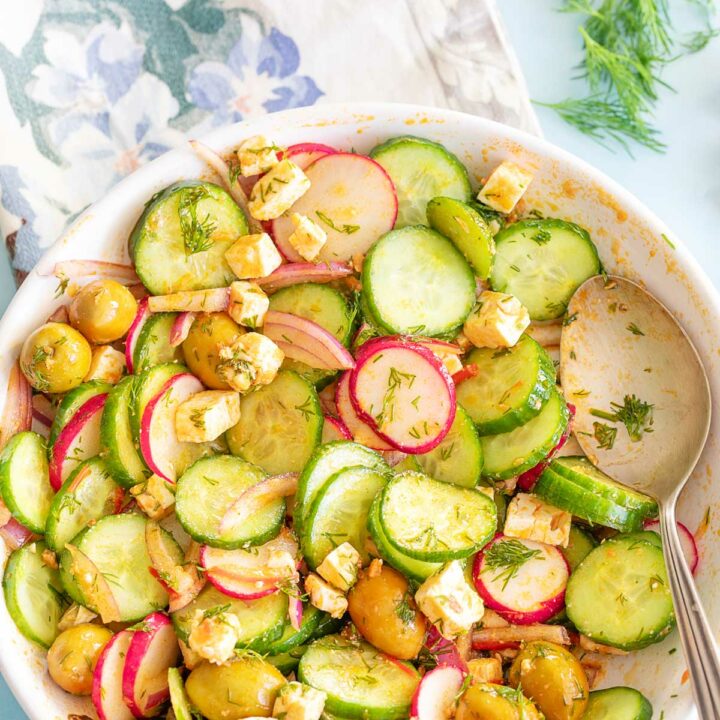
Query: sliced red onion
x=295, y=273
x=181, y=328
x=143, y=313
x=17, y=410
x=94, y=270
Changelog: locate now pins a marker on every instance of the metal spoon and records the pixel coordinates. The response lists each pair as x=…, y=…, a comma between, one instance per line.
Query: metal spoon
x=620, y=341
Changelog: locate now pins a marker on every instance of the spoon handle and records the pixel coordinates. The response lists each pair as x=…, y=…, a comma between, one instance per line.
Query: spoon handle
x=696, y=635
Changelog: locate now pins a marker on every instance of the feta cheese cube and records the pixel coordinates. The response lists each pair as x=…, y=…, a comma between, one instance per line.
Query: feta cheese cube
x=530, y=518
x=340, y=566
x=308, y=238
x=154, y=497
x=449, y=602
x=325, y=597
x=451, y=361
x=277, y=191
x=253, y=256
x=248, y=304
x=505, y=186
x=499, y=320
x=75, y=615
x=213, y=637
x=257, y=155
x=250, y=360
x=297, y=701
x=107, y=364
x=486, y=670
x=207, y=415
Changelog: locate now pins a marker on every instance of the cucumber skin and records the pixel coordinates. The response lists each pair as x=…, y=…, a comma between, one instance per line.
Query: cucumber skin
x=644, y=709
x=573, y=553
x=72, y=402
x=307, y=630
x=151, y=348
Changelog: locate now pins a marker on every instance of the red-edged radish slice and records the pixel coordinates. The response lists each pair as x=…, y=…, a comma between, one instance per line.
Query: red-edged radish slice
x=214, y=300
x=334, y=429
x=93, y=585
x=404, y=392
x=164, y=454
x=141, y=316
x=60, y=315
x=295, y=273
x=153, y=650
x=17, y=410
x=77, y=441
x=360, y=431
x=181, y=328
x=533, y=593
x=305, y=154
x=687, y=541
x=327, y=399
x=94, y=269
x=445, y=652
x=295, y=612
x=500, y=638
x=435, y=696
x=439, y=347
x=107, y=690
x=352, y=198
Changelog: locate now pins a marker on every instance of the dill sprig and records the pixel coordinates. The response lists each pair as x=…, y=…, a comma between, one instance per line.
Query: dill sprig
x=635, y=414
x=508, y=556
x=195, y=232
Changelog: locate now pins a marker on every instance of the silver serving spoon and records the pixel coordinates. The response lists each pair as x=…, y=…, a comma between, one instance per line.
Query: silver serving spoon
x=620, y=341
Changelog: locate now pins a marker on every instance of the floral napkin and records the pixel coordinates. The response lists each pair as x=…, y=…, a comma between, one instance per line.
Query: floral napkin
x=91, y=89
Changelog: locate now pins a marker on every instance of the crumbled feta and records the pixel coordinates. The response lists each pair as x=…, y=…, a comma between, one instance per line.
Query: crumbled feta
x=530, y=518
x=486, y=670
x=498, y=320
x=207, y=415
x=277, y=191
x=75, y=615
x=257, y=155
x=214, y=637
x=107, y=364
x=449, y=602
x=325, y=597
x=505, y=186
x=297, y=701
x=253, y=256
x=248, y=304
x=154, y=497
x=451, y=361
x=308, y=238
x=250, y=360
x=340, y=566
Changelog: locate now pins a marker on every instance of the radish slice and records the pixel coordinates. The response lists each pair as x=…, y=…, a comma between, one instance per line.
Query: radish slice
x=107, y=690
x=143, y=313
x=444, y=651
x=94, y=269
x=534, y=593
x=300, y=272
x=360, y=431
x=295, y=612
x=435, y=696
x=17, y=410
x=305, y=335
x=93, y=585
x=77, y=441
x=500, y=638
x=153, y=650
x=210, y=301
x=439, y=347
x=404, y=392
x=181, y=328
x=352, y=198
x=305, y=154
x=334, y=429
x=687, y=541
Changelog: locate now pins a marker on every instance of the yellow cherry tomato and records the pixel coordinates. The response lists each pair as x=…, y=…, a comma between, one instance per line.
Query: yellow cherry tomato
x=73, y=656
x=103, y=311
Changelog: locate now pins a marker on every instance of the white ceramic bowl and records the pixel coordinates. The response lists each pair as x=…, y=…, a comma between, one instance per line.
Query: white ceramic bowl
x=631, y=240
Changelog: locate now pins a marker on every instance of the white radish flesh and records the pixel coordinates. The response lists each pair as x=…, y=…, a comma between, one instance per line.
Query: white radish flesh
x=107, y=692
x=361, y=432
x=434, y=698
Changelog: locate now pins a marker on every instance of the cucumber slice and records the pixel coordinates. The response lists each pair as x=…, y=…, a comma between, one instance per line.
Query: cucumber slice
x=510, y=388
x=620, y=596
x=360, y=681
x=207, y=490
x=164, y=261
x=287, y=662
x=339, y=514
x=458, y=459
x=514, y=452
x=33, y=594
x=72, y=402
x=618, y=703
x=421, y=170
x=280, y=425
x=291, y=638
x=542, y=263
x=648, y=536
x=262, y=621
x=432, y=520
x=178, y=697
x=467, y=229
x=327, y=461
x=582, y=472
x=580, y=545
x=116, y=436
x=25, y=480
x=147, y=385
x=88, y=494
x=417, y=570
x=416, y=282
x=153, y=344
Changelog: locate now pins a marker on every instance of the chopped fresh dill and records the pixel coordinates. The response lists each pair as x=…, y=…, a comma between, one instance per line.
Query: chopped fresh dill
x=635, y=414
x=196, y=233
x=634, y=329
x=405, y=611
x=507, y=556
x=605, y=435
x=346, y=229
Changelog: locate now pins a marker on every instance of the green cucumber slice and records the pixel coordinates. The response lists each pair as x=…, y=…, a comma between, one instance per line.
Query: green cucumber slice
x=280, y=425
x=147, y=385
x=416, y=282
x=208, y=488
x=72, y=402
x=579, y=546
x=88, y=494
x=510, y=388
x=512, y=453
x=620, y=596
x=153, y=344
x=542, y=263
x=116, y=436
x=618, y=703
x=261, y=621
x=179, y=700
x=287, y=662
x=467, y=229
x=291, y=638
x=649, y=536
x=458, y=459
x=360, y=681
x=25, y=480
x=435, y=521
x=339, y=514
x=421, y=170
x=33, y=594
x=164, y=254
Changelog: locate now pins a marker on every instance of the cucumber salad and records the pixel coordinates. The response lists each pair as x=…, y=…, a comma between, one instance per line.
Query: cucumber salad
x=309, y=456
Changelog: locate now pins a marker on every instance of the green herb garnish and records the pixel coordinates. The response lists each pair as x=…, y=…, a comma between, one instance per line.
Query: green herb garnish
x=635, y=414
x=347, y=229
x=195, y=233
x=507, y=556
